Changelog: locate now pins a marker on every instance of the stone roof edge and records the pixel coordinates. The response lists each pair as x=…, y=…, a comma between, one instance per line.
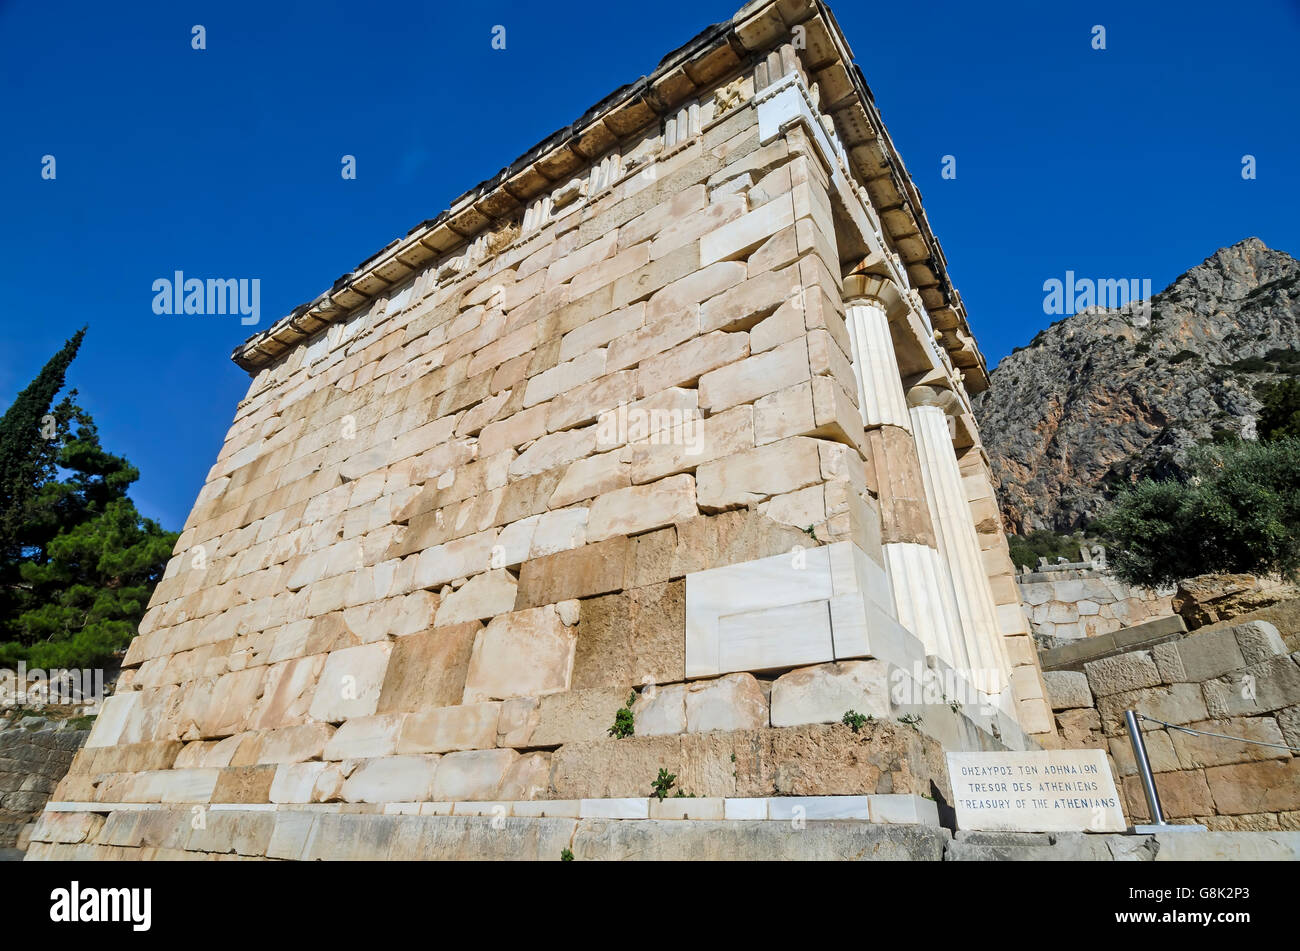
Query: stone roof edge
x=709, y=56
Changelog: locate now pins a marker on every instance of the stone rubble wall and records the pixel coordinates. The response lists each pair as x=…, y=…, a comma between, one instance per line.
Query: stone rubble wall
x=32, y=762
x=1239, y=681
x=1074, y=603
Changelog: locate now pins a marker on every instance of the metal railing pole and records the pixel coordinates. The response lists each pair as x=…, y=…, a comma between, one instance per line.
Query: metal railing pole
x=1144, y=768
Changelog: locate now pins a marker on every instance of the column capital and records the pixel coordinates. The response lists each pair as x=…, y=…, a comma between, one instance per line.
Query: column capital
x=961, y=423
x=934, y=395
x=875, y=289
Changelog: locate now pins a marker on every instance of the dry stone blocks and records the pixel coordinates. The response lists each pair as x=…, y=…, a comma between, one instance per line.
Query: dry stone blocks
x=428, y=670
x=826, y=692
x=1125, y=672
x=351, y=683
x=661, y=711
x=454, y=523
x=524, y=653
x=470, y=776
x=1067, y=689
x=640, y=508
x=392, y=779
x=468, y=726
x=734, y=702
x=1236, y=716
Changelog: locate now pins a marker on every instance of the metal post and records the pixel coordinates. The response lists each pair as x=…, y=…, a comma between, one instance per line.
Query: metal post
x=1144, y=768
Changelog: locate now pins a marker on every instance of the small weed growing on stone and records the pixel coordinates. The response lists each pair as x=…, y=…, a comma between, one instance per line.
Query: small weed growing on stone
x=566, y=855
x=663, y=782
x=811, y=532
x=856, y=721
x=624, y=721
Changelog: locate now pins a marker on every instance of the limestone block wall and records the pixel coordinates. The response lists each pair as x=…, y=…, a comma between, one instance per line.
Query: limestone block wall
x=607, y=454
x=1237, y=681
x=454, y=532
x=32, y=762
x=1071, y=603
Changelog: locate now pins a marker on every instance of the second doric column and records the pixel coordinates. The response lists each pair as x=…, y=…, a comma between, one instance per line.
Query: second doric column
x=923, y=591
x=957, y=541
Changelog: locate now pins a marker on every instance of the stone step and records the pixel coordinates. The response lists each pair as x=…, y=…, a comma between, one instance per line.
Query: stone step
x=1172, y=846
x=352, y=836
x=1074, y=656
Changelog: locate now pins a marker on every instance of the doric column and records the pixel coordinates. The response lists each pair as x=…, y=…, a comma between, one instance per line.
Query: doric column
x=956, y=538
x=923, y=592
x=880, y=390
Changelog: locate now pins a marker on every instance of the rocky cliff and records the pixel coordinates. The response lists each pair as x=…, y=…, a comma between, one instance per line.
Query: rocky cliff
x=1104, y=397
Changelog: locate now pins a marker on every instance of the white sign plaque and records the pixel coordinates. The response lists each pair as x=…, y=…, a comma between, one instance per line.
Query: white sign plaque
x=1041, y=791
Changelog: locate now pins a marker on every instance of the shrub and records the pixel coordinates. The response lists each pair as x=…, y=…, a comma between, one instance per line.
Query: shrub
x=624, y=724
x=1238, y=510
x=855, y=721
x=1251, y=365
x=662, y=783
x=624, y=721
x=1027, y=549
x=1279, y=417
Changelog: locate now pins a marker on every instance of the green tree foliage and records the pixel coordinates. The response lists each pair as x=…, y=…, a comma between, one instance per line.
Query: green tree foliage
x=1238, y=510
x=1027, y=549
x=79, y=561
x=27, y=449
x=1279, y=417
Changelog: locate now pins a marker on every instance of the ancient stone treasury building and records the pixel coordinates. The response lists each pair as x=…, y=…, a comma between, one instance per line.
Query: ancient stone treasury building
x=672, y=416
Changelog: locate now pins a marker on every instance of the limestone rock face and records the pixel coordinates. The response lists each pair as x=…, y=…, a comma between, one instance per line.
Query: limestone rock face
x=1099, y=399
x=1208, y=599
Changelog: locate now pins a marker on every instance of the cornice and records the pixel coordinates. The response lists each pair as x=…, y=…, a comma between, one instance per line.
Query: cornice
x=692, y=69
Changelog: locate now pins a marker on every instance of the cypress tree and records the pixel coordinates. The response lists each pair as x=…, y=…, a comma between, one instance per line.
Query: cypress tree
x=28, y=446
x=77, y=560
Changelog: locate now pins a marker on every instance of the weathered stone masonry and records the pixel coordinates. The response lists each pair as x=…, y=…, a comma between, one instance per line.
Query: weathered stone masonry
x=31, y=764
x=675, y=409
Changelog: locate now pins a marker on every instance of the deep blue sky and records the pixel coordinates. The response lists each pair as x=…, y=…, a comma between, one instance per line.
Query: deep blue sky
x=225, y=163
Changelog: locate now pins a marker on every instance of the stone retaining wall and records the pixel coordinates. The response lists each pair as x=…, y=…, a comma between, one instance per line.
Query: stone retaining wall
x=32, y=762
x=1073, y=603
x=1240, y=681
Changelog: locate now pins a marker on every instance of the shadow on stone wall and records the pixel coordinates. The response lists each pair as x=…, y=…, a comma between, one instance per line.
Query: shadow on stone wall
x=33, y=758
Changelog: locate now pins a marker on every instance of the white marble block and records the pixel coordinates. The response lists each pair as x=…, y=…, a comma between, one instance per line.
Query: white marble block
x=808, y=606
